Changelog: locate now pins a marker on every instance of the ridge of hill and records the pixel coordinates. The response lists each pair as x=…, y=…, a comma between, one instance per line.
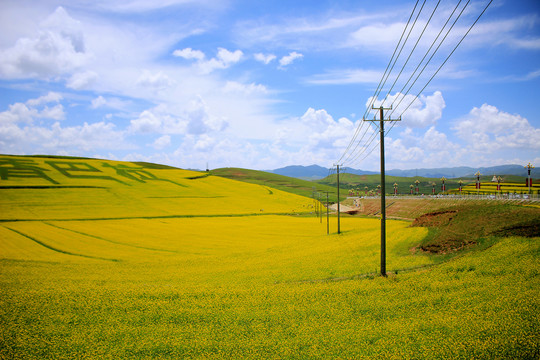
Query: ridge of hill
x=42, y=187
x=281, y=182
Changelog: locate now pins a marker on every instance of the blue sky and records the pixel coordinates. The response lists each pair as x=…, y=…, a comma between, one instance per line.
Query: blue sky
x=265, y=84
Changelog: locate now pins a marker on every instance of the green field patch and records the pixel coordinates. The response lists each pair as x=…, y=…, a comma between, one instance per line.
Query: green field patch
x=79, y=170
x=22, y=168
x=137, y=173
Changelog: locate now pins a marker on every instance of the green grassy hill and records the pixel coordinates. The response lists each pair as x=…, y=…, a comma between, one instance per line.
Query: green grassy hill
x=284, y=183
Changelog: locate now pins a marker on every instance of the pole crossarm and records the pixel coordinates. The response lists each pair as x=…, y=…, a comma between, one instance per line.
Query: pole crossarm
x=381, y=121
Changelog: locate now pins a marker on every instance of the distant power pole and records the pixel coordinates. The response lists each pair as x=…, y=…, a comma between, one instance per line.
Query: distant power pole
x=383, y=187
x=327, y=214
x=338, y=208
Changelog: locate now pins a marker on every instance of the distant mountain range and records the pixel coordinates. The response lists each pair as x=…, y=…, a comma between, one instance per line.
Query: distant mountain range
x=315, y=172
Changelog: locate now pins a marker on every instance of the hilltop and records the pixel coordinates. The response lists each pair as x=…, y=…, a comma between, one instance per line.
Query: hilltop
x=96, y=188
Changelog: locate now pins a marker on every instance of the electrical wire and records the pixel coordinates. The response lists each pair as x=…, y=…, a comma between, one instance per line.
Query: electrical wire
x=367, y=148
x=358, y=129
x=410, y=54
x=444, y=62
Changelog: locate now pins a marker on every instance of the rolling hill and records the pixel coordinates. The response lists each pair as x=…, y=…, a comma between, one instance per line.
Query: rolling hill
x=103, y=259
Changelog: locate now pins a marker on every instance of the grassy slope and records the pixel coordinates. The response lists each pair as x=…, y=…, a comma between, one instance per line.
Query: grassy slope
x=276, y=181
x=249, y=287
x=92, y=188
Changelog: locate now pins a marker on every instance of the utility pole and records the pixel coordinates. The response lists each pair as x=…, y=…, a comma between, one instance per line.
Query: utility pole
x=327, y=214
x=319, y=214
x=338, y=209
x=383, y=188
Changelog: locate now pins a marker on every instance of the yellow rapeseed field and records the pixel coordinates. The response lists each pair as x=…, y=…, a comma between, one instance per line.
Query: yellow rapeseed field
x=134, y=262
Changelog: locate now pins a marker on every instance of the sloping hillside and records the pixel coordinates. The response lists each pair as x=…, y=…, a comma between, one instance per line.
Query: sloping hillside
x=62, y=188
x=276, y=181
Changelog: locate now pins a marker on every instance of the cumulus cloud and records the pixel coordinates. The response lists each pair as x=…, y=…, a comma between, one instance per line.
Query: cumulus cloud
x=264, y=58
x=34, y=109
x=489, y=128
x=325, y=132
x=223, y=60
x=422, y=111
x=58, y=48
x=288, y=59
x=18, y=134
x=195, y=119
x=189, y=53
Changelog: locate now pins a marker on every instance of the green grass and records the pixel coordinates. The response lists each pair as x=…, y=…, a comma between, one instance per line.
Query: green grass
x=280, y=182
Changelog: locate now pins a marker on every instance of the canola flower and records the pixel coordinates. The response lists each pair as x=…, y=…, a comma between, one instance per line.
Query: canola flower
x=116, y=276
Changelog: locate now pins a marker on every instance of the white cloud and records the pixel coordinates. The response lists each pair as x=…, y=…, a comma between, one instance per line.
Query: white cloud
x=317, y=119
x=82, y=80
x=98, y=102
x=111, y=102
x=194, y=119
x=288, y=59
x=376, y=35
x=264, y=58
x=423, y=111
x=346, y=76
x=236, y=87
x=162, y=142
x=18, y=134
x=34, y=109
x=58, y=48
x=156, y=81
x=189, y=53
x=488, y=129
x=50, y=97
x=223, y=60
x=148, y=122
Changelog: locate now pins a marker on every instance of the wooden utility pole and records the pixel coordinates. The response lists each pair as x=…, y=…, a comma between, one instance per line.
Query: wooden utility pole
x=383, y=187
x=338, y=208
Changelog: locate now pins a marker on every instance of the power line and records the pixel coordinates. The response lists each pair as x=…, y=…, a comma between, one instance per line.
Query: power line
x=362, y=147
x=448, y=57
x=379, y=85
x=410, y=54
x=424, y=57
x=432, y=55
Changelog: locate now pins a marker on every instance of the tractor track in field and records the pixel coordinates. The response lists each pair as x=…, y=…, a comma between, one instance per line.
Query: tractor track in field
x=45, y=245
x=107, y=240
